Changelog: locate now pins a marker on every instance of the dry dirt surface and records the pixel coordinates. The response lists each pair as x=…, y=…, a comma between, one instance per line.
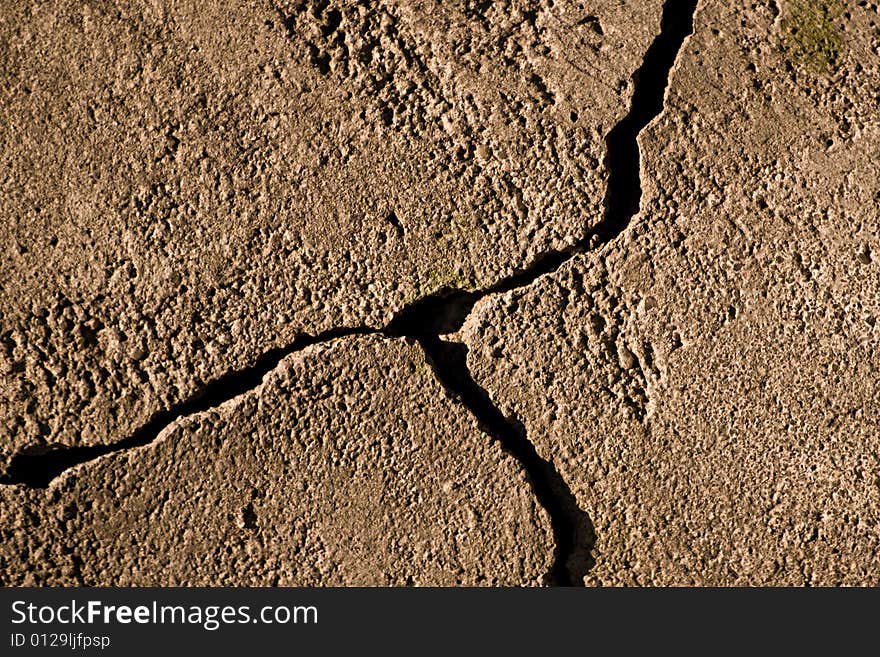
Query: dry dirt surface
x=440, y=293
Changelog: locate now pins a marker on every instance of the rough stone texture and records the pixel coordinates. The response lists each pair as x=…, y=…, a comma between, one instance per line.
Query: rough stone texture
x=707, y=384
x=188, y=184
x=348, y=465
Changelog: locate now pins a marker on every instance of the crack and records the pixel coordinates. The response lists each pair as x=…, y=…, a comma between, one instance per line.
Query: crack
x=37, y=467
x=572, y=529
x=623, y=159
x=444, y=312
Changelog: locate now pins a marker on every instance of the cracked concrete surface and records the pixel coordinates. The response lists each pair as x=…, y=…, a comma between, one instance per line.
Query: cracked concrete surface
x=660, y=355
x=347, y=465
x=189, y=184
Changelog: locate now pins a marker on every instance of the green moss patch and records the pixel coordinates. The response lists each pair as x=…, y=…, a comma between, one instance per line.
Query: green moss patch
x=812, y=34
x=441, y=278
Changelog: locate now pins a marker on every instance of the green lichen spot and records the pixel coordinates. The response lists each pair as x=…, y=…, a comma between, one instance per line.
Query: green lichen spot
x=438, y=279
x=812, y=35
x=418, y=365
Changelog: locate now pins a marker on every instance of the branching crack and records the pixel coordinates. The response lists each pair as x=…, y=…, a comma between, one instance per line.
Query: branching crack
x=445, y=312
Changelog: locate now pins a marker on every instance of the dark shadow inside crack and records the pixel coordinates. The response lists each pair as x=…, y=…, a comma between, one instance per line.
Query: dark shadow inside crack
x=572, y=528
x=622, y=156
x=446, y=310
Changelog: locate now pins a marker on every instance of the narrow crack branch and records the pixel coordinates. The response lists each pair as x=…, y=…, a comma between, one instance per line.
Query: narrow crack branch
x=37, y=468
x=445, y=312
x=572, y=529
